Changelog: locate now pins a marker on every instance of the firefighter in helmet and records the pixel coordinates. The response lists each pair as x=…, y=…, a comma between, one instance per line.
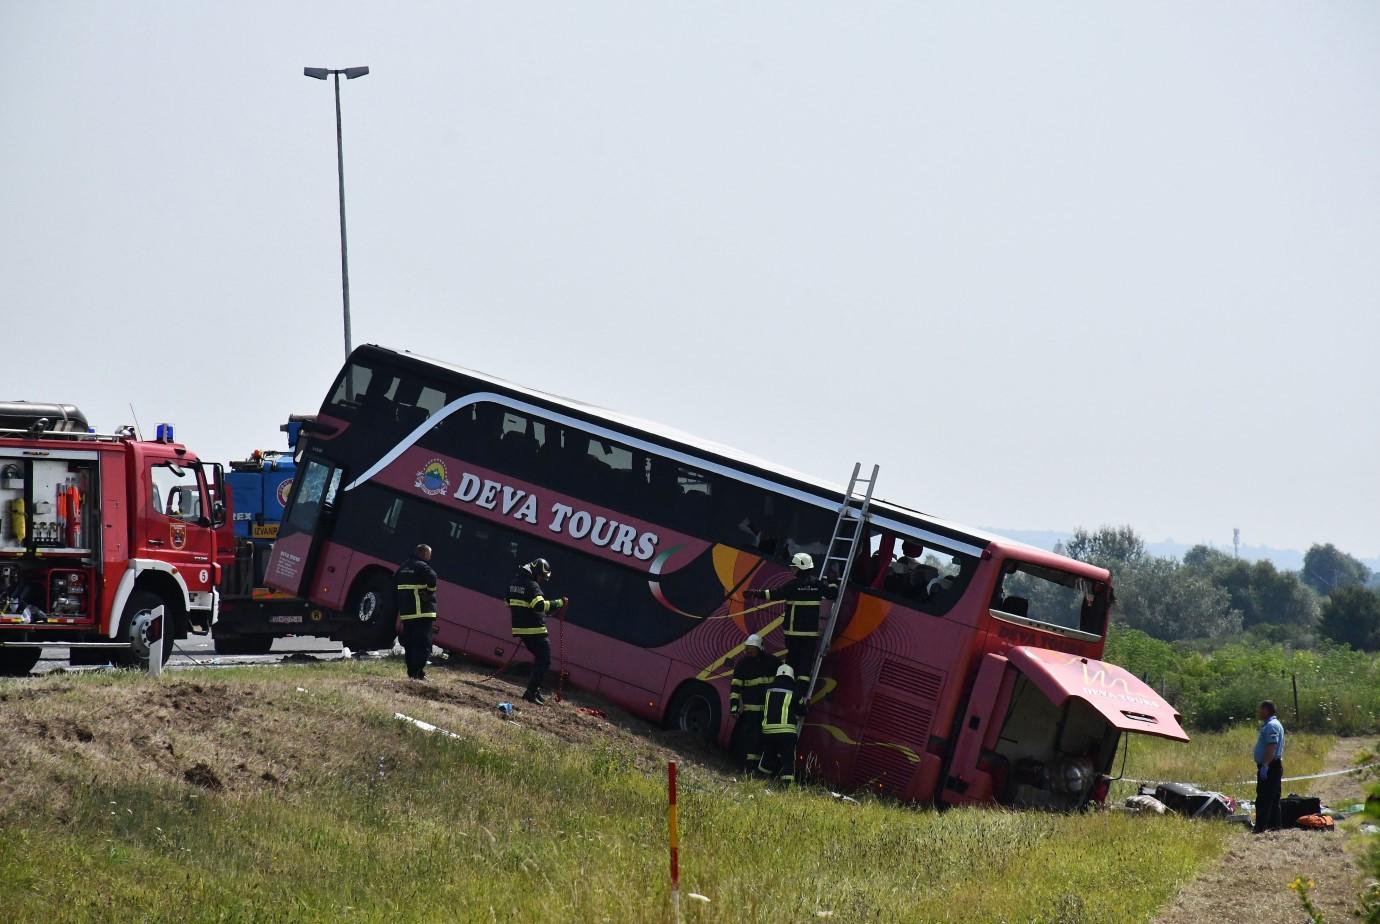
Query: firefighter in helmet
x=752, y=674
x=414, y=588
x=781, y=709
x=529, y=606
x=803, y=596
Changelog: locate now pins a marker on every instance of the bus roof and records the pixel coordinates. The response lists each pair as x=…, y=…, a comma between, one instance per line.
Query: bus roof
x=828, y=490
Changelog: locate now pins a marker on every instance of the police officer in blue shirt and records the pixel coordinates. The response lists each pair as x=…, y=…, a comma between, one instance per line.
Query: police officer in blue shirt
x=1269, y=769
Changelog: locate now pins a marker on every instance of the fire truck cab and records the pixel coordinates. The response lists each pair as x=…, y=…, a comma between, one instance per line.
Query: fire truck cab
x=96, y=532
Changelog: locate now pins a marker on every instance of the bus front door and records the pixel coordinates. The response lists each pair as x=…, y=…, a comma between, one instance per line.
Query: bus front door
x=306, y=526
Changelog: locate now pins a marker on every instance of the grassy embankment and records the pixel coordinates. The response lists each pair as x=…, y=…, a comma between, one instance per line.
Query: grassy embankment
x=292, y=794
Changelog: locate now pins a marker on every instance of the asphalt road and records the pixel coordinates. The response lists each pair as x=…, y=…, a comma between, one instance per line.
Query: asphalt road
x=199, y=651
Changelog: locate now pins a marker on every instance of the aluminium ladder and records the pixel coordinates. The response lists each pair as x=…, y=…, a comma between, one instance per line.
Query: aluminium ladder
x=849, y=529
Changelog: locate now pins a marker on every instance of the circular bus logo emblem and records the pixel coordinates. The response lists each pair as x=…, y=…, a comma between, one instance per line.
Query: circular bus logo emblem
x=284, y=489
x=433, y=479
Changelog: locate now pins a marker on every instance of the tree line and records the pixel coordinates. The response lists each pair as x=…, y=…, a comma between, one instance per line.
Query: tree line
x=1210, y=597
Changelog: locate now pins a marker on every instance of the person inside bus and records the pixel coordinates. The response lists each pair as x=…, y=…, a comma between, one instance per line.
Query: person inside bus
x=909, y=575
x=529, y=605
x=944, y=590
x=910, y=558
x=415, y=595
x=752, y=673
x=520, y=447
x=803, y=596
x=782, y=708
x=483, y=434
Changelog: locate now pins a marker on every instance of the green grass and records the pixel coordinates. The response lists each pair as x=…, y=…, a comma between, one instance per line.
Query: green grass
x=372, y=820
x=1338, y=689
x=1219, y=761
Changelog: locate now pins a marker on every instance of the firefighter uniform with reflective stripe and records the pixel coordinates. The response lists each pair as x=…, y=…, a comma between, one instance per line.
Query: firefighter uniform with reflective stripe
x=529, y=606
x=753, y=673
x=780, y=711
x=414, y=586
x=803, y=596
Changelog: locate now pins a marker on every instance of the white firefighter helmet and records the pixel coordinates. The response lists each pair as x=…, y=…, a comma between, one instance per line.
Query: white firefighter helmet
x=753, y=641
x=801, y=561
x=785, y=671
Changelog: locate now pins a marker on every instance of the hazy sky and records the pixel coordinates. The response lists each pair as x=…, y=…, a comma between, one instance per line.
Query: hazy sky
x=1049, y=264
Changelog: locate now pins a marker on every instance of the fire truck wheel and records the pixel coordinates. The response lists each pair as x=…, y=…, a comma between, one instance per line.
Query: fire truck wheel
x=134, y=627
x=373, y=614
x=18, y=662
x=695, y=709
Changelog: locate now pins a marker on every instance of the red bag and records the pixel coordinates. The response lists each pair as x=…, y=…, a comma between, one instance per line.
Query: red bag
x=1316, y=822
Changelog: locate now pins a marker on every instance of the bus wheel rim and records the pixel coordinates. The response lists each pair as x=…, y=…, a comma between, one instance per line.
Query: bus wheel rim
x=694, y=717
x=368, y=604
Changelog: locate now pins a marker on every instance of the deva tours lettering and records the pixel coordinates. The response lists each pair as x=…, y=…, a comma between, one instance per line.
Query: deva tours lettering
x=561, y=518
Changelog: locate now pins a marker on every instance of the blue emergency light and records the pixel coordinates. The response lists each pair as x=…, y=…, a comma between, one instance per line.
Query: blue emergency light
x=165, y=433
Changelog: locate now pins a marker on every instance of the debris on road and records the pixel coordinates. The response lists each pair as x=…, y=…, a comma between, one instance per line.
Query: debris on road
x=1146, y=803
x=425, y=726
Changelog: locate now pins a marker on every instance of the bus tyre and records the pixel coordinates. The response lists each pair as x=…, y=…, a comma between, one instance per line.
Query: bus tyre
x=695, y=710
x=244, y=645
x=372, y=613
x=134, y=625
x=18, y=662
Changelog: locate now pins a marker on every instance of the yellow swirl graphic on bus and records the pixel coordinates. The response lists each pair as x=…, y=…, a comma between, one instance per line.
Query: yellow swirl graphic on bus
x=840, y=735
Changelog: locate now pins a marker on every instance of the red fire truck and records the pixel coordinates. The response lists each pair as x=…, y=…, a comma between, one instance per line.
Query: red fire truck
x=97, y=531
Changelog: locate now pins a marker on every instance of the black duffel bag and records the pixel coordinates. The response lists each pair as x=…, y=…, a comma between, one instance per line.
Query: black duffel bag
x=1293, y=807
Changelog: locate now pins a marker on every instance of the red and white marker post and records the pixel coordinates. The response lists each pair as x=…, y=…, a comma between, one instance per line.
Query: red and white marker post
x=674, y=819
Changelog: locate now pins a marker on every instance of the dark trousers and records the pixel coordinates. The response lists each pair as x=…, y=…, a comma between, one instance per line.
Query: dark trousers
x=778, y=756
x=416, y=640
x=1267, y=790
x=800, y=655
x=540, y=647
x=747, y=739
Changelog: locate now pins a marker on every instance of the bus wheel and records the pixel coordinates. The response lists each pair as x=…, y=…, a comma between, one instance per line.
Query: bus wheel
x=695, y=710
x=372, y=611
x=134, y=626
x=18, y=662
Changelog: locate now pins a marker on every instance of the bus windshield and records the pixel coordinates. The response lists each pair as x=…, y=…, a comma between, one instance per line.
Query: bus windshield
x=1054, y=598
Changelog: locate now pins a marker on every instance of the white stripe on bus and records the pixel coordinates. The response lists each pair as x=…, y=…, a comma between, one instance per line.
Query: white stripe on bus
x=694, y=462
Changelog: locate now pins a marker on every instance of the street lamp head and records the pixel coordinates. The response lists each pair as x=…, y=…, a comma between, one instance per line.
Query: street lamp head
x=352, y=72
x=320, y=73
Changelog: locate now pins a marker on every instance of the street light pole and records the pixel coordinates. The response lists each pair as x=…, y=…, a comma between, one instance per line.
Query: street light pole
x=321, y=73
x=344, y=248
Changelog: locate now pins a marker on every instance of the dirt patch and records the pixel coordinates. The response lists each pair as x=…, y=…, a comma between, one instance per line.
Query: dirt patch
x=231, y=736
x=1251, y=881
x=234, y=734
x=25, y=693
x=200, y=774
x=474, y=693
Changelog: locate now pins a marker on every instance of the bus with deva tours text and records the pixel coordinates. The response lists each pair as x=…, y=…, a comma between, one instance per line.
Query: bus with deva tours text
x=964, y=667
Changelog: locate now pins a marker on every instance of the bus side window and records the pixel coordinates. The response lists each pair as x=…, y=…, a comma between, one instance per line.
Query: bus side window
x=431, y=400
x=392, y=515
x=352, y=386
